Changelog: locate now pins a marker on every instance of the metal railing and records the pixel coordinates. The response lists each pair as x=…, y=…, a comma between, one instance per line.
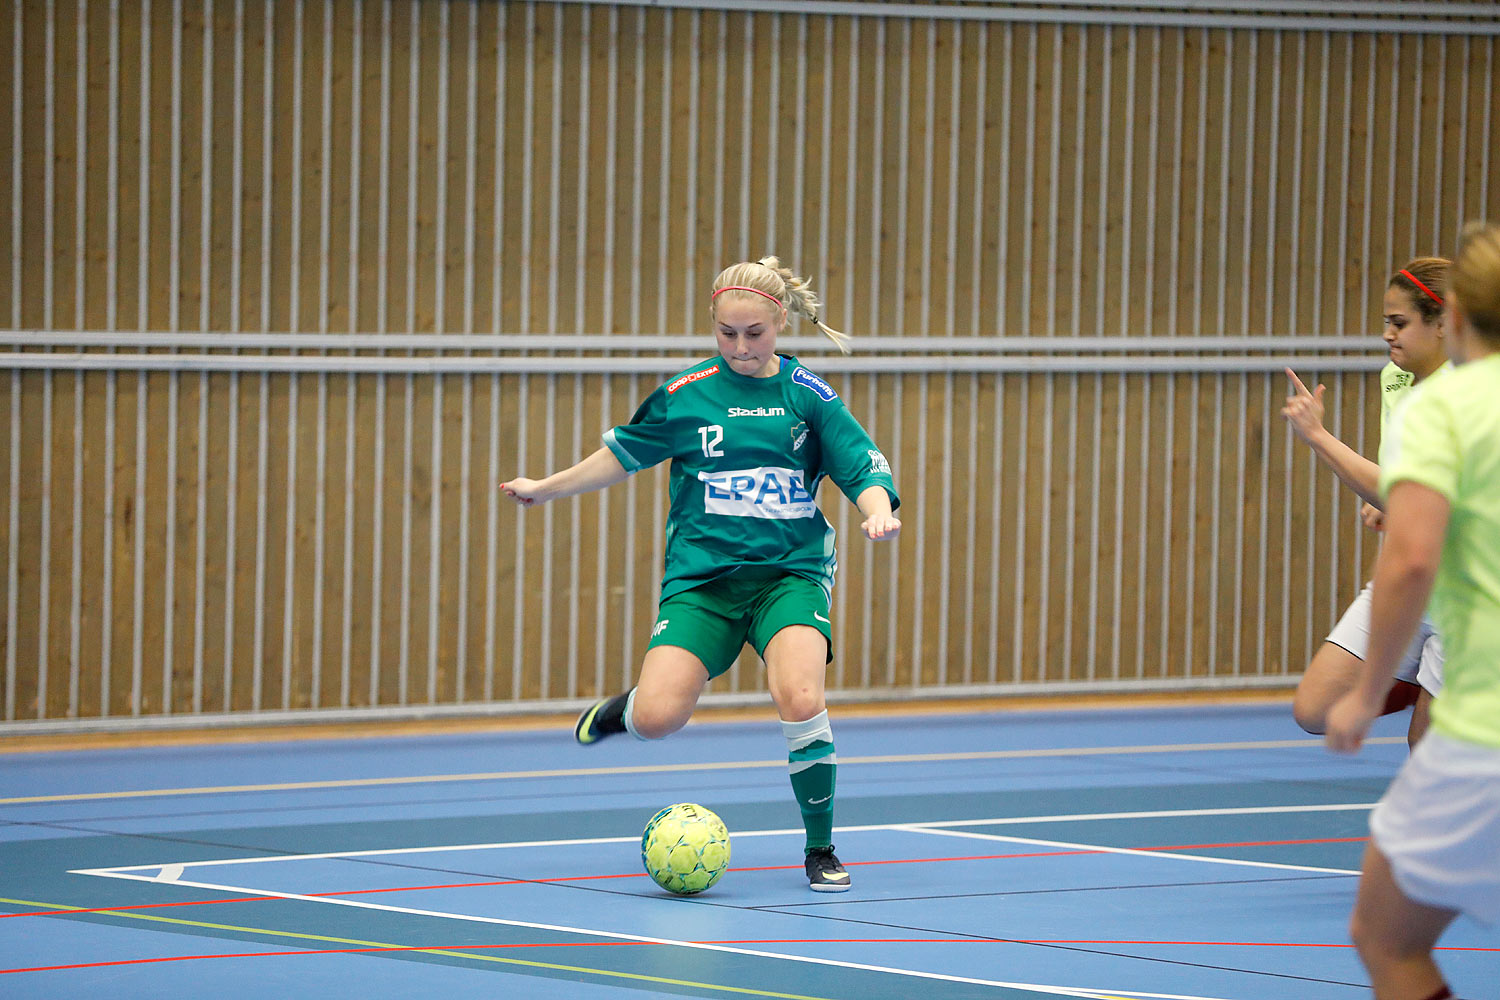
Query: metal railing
x=250, y=544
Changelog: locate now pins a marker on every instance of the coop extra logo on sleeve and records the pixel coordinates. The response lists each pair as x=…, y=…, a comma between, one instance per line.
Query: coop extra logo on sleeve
x=690, y=378
x=767, y=492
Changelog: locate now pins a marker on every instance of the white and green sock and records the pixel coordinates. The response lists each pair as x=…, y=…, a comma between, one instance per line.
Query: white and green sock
x=812, y=763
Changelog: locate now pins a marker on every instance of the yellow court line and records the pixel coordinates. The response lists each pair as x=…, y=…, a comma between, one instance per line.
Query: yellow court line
x=743, y=991
x=475, y=956
x=915, y=758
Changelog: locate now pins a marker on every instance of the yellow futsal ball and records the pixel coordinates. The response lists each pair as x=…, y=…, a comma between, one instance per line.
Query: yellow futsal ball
x=685, y=848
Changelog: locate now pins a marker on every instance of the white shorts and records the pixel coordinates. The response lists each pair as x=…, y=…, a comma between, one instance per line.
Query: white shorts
x=1439, y=826
x=1423, y=662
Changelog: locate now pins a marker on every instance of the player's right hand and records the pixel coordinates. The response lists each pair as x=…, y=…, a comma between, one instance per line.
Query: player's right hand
x=1303, y=409
x=523, y=491
x=1372, y=516
x=1349, y=723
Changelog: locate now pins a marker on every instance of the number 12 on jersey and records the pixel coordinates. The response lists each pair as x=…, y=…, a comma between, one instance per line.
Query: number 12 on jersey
x=713, y=436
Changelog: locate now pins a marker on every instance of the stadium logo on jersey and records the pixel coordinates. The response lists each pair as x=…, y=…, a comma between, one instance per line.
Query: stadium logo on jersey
x=770, y=492
x=806, y=378
x=878, y=462
x=799, y=436
x=759, y=411
x=689, y=378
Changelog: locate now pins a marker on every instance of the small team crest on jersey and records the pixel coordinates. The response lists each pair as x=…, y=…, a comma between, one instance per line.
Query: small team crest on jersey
x=799, y=435
x=689, y=378
x=803, y=377
x=878, y=462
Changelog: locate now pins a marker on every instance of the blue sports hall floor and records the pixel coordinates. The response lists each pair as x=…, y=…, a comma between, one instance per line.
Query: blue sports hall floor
x=1201, y=851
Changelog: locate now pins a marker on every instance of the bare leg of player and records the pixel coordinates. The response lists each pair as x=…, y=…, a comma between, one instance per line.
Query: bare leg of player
x=666, y=694
x=796, y=662
x=1395, y=935
x=660, y=704
x=1330, y=676
x=1421, y=714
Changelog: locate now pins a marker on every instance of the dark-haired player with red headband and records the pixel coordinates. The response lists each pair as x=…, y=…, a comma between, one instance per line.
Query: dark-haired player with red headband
x=1412, y=312
x=750, y=557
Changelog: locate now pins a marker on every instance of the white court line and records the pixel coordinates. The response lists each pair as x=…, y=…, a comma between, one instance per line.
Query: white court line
x=1150, y=814
x=926, y=826
x=678, y=768
x=1091, y=993
x=1097, y=848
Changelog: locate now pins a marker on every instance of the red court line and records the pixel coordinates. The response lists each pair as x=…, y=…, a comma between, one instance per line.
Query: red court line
x=637, y=944
x=765, y=868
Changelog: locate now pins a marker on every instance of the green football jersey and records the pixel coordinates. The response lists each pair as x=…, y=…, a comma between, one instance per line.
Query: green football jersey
x=747, y=457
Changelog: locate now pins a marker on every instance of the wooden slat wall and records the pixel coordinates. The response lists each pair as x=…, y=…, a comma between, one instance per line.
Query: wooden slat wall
x=198, y=543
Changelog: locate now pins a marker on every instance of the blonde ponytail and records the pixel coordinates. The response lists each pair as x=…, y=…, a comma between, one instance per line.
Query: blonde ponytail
x=768, y=277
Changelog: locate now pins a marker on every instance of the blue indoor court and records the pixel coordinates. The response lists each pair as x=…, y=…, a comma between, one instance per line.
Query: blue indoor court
x=1157, y=852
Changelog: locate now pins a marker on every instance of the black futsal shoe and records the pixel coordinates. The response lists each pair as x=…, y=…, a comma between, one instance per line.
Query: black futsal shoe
x=601, y=719
x=824, y=873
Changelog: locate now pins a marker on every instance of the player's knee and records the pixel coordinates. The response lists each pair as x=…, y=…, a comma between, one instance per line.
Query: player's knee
x=1359, y=932
x=1378, y=948
x=1310, y=713
x=1374, y=953
x=651, y=721
x=799, y=702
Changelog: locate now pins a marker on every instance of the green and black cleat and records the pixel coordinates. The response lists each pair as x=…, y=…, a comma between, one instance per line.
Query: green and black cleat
x=601, y=719
x=824, y=873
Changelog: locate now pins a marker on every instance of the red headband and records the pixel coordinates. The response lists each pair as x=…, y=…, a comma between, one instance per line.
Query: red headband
x=742, y=288
x=1415, y=281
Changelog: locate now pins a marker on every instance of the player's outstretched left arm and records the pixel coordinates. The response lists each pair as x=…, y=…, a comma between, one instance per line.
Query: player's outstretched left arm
x=880, y=524
x=599, y=470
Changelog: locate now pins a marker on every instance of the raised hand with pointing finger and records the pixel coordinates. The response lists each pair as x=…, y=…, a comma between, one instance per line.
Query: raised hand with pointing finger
x=1304, y=410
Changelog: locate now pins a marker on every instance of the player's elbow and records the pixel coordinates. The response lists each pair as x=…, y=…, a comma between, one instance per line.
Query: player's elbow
x=1411, y=572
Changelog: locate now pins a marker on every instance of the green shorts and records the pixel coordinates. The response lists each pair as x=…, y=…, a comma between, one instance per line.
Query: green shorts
x=714, y=620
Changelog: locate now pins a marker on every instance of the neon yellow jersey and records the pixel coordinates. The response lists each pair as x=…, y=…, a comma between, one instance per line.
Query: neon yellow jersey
x=1395, y=389
x=1449, y=441
x=1394, y=383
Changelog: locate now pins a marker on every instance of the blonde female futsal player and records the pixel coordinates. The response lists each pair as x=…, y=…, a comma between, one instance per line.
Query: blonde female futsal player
x=1413, y=328
x=750, y=434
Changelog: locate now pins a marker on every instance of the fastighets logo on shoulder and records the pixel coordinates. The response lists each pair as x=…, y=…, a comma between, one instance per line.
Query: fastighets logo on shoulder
x=689, y=378
x=806, y=378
